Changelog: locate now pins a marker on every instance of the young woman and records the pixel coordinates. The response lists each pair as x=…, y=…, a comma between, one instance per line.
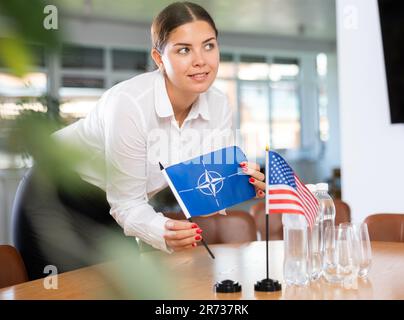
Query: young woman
x=175, y=103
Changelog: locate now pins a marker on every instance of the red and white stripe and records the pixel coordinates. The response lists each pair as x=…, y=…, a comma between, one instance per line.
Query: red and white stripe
x=285, y=199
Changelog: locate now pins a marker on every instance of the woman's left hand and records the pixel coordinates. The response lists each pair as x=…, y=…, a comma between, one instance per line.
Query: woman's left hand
x=257, y=178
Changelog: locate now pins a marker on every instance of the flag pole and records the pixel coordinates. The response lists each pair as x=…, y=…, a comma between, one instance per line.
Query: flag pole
x=267, y=207
x=182, y=205
x=205, y=244
x=267, y=284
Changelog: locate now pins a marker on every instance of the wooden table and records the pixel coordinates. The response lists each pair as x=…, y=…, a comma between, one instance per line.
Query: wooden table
x=192, y=274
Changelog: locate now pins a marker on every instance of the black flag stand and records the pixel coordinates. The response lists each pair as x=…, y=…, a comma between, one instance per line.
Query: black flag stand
x=267, y=284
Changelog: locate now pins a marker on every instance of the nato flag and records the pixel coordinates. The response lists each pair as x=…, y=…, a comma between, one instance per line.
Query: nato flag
x=210, y=182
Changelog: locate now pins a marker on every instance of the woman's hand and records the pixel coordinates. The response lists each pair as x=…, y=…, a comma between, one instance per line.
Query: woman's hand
x=257, y=178
x=182, y=234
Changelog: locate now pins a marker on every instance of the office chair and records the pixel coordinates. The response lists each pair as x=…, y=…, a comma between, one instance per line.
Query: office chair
x=342, y=212
x=12, y=268
x=386, y=227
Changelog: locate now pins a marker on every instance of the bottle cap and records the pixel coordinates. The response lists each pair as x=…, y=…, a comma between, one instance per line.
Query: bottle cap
x=322, y=186
x=311, y=187
x=227, y=286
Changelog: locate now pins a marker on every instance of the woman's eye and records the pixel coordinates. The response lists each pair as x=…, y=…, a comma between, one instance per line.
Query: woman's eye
x=183, y=50
x=209, y=46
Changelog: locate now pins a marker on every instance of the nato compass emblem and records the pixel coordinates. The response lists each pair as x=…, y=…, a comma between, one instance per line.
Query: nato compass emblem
x=210, y=183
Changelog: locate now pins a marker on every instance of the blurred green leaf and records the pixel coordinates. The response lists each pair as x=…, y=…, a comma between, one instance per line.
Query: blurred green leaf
x=14, y=54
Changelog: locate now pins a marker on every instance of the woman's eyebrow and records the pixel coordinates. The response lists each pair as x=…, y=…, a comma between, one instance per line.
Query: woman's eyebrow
x=183, y=44
x=207, y=40
x=190, y=45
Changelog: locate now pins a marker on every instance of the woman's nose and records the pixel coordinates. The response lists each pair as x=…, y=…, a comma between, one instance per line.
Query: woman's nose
x=198, y=59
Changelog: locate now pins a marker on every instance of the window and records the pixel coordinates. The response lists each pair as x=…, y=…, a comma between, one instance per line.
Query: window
x=77, y=106
x=264, y=91
x=76, y=102
x=321, y=63
x=253, y=68
x=31, y=84
x=87, y=72
x=227, y=67
x=285, y=116
x=254, y=117
x=230, y=88
x=75, y=57
x=82, y=82
x=283, y=69
x=17, y=94
x=129, y=60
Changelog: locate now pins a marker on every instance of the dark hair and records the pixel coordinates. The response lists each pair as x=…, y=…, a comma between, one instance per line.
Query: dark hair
x=173, y=16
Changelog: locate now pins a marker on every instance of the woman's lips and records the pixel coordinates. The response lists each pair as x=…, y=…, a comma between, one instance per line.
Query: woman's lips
x=201, y=76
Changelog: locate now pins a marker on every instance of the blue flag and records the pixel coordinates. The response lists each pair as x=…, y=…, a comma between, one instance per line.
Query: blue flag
x=210, y=182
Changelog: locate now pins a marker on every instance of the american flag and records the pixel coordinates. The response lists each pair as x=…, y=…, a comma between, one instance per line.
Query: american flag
x=285, y=192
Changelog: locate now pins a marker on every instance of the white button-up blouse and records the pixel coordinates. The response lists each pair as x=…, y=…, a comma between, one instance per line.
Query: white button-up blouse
x=130, y=130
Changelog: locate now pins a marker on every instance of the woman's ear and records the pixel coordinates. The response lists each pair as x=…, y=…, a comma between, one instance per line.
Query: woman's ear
x=156, y=56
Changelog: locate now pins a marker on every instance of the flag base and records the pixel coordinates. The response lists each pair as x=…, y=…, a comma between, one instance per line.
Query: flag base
x=268, y=285
x=227, y=286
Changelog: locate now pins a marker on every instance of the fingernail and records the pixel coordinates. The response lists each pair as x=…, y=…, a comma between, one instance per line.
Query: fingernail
x=243, y=164
x=199, y=231
x=194, y=225
x=245, y=169
x=194, y=244
x=252, y=180
x=198, y=238
x=261, y=192
x=169, y=224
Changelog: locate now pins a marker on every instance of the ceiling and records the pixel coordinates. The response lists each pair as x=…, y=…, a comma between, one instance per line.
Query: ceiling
x=312, y=19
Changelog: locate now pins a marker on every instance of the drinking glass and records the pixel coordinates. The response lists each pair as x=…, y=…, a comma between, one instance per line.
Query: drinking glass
x=363, y=248
x=340, y=260
x=347, y=257
x=296, y=258
x=330, y=262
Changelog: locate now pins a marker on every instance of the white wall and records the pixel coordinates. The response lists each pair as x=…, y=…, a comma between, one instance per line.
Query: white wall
x=372, y=150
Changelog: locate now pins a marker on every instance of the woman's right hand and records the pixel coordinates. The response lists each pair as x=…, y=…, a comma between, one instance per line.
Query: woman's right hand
x=182, y=234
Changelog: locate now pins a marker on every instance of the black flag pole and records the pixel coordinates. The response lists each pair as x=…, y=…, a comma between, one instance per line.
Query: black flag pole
x=204, y=244
x=267, y=284
x=267, y=241
x=182, y=205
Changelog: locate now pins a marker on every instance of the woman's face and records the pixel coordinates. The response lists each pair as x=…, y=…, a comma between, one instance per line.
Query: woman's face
x=191, y=57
